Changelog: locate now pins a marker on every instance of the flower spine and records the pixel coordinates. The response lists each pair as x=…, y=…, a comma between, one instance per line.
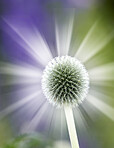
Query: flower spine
x=65, y=81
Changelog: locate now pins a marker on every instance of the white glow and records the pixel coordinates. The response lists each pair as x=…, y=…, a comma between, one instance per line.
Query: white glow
x=20, y=80
x=33, y=124
x=103, y=72
x=17, y=70
x=57, y=39
x=56, y=126
x=63, y=34
x=93, y=43
x=61, y=144
x=101, y=106
x=106, y=98
x=63, y=123
x=101, y=43
x=103, y=83
x=80, y=120
x=34, y=44
x=85, y=40
x=50, y=115
x=18, y=104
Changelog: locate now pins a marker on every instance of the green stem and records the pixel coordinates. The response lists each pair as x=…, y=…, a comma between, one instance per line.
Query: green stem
x=71, y=127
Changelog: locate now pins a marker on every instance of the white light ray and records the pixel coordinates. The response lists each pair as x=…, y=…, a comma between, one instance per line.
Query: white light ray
x=93, y=43
x=31, y=126
x=21, y=92
x=69, y=34
x=57, y=39
x=34, y=106
x=80, y=120
x=104, y=72
x=90, y=111
x=18, y=104
x=61, y=144
x=101, y=106
x=19, y=81
x=56, y=124
x=86, y=40
x=27, y=71
x=38, y=48
x=63, y=34
x=63, y=124
x=49, y=119
x=102, y=96
x=104, y=82
x=99, y=46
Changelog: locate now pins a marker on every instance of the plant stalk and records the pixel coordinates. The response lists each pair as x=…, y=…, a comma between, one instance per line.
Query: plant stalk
x=71, y=127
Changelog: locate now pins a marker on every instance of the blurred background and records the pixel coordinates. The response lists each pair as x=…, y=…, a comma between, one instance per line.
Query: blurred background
x=97, y=129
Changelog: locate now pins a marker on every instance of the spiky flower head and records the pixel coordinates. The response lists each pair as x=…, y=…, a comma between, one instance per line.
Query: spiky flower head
x=65, y=81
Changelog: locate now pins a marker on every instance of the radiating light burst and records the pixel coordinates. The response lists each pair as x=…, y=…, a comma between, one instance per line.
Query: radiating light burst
x=102, y=106
x=93, y=43
x=32, y=42
x=18, y=104
x=63, y=33
x=36, y=46
x=102, y=73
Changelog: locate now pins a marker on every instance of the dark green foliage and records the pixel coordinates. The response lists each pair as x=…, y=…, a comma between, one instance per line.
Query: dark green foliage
x=28, y=141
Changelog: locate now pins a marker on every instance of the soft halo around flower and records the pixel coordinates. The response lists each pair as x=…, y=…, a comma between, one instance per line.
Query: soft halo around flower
x=29, y=75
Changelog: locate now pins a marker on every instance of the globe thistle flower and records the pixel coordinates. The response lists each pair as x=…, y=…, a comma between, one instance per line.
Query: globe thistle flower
x=65, y=81
x=40, y=67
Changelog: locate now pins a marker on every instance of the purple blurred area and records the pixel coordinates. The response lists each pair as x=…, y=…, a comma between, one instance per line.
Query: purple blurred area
x=41, y=14
x=32, y=7
x=25, y=14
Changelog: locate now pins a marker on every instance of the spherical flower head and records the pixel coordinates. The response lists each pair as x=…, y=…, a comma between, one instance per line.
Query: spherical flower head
x=65, y=81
